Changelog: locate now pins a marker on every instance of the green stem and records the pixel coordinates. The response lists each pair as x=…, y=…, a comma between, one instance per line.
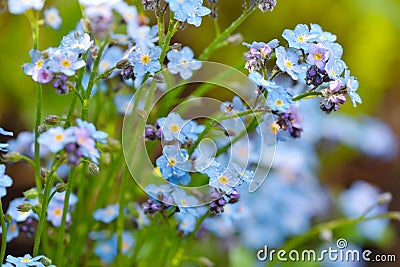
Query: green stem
x=39, y=99
x=86, y=100
x=172, y=29
x=4, y=229
x=215, y=43
x=45, y=203
x=61, y=234
x=120, y=219
x=308, y=94
x=332, y=225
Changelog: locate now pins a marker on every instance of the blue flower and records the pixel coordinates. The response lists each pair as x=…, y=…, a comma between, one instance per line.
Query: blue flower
x=288, y=61
x=20, y=6
x=5, y=181
x=65, y=61
x=187, y=222
x=108, y=214
x=55, y=213
x=171, y=126
x=99, y=136
x=4, y=147
x=109, y=58
x=143, y=36
x=318, y=55
x=174, y=164
x=13, y=231
x=106, y=250
x=279, y=99
x=52, y=18
x=56, y=138
x=145, y=61
x=335, y=67
x=18, y=216
x=188, y=10
x=182, y=62
x=223, y=178
x=38, y=68
x=122, y=104
x=300, y=37
x=357, y=200
x=188, y=203
x=128, y=13
x=321, y=35
x=25, y=261
x=352, y=86
x=79, y=42
x=190, y=132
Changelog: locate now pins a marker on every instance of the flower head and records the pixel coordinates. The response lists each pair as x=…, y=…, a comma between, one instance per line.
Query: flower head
x=318, y=55
x=299, y=37
x=52, y=18
x=56, y=138
x=65, y=61
x=20, y=6
x=182, y=62
x=174, y=164
x=288, y=61
x=5, y=181
x=188, y=10
x=25, y=261
x=145, y=61
x=108, y=214
x=78, y=42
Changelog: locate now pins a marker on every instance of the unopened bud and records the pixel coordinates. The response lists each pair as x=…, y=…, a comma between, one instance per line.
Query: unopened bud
x=12, y=157
x=385, y=198
x=122, y=64
x=61, y=187
x=42, y=128
x=94, y=169
x=52, y=120
x=24, y=207
x=8, y=218
x=45, y=261
x=177, y=46
x=236, y=38
x=31, y=193
x=44, y=173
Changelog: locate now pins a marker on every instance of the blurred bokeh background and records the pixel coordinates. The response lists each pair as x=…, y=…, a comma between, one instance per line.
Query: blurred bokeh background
x=368, y=30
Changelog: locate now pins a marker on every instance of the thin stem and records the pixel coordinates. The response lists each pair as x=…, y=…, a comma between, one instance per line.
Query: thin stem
x=215, y=43
x=45, y=203
x=308, y=94
x=61, y=234
x=120, y=219
x=172, y=29
x=86, y=100
x=39, y=99
x=4, y=229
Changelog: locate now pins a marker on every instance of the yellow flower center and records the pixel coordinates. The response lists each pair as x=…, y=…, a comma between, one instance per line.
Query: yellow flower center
x=66, y=63
x=59, y=137
x=318, y=56
x=174, y=128
x=25, y=260
x=13, y=228
x=278, y=102
x=184, y=202
x=301, y=39
x=223, y=180
x=172, y=162
x=110, y=212
x=57, y=212
x=288, y=64
x=39, y=64
x=145, y=59
x=274, y=128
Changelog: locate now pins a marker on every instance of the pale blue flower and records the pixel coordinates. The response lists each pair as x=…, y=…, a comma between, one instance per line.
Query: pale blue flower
x=25, y=261
x=13, y=231
x=21, y=6
x=65, y=61
x=55, y=213
x=77, y=41
x=188, y=10
x=182, y=62
x=5, y=180
x=288, y=61
x=108, y=214
x=52, y=18
x=143, y=36
x=335, y=67
x=300, y=37
x=145, y=61
x=352, y=85
x=321, y=35
x=171, y=126
x=3, y=146
x=174, y=164
x=187, y=222
x=56, y=138
x=223, y=178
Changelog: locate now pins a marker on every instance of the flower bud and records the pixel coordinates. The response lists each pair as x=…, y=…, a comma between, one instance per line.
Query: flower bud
x=61, y=187
x=385, y=198
x=24, y=207
x=52, y=120
x=94, y=169
x=12, y=157
x=31, y=193
x=122, y=64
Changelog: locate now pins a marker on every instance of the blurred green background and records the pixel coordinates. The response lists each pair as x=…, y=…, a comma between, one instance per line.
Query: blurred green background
x=369, y=32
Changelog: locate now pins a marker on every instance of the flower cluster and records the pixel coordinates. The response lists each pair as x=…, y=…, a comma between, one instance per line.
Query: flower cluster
x=54, y=64
x=77, y=141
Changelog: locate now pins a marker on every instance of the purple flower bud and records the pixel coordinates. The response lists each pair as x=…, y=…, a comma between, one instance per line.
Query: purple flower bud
x=234, y=196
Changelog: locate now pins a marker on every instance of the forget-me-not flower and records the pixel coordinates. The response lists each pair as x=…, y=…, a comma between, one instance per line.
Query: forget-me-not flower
x=182, y=62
